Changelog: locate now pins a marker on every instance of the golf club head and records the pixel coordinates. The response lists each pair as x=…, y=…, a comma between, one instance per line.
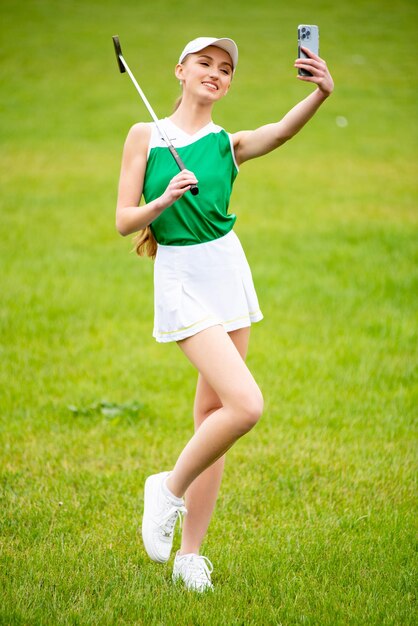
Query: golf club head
x=118, y=51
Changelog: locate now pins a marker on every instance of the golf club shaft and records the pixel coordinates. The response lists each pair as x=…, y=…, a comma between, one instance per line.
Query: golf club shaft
x=194, y=189
x=145, y=100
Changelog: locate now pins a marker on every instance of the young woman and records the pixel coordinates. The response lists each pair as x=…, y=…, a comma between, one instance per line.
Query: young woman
x=204, y=294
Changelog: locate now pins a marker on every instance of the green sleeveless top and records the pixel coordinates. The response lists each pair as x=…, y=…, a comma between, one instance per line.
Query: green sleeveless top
x=209, y=155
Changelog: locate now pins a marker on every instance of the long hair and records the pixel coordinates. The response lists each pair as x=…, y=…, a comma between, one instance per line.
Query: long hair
x=144, y=242
x=177, y=103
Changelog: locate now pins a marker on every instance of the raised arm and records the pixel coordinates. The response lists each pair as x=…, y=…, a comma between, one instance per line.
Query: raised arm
x=249, y=144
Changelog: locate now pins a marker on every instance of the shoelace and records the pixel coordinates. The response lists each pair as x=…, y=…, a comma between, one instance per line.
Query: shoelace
x=199, y=569
x=169, y=519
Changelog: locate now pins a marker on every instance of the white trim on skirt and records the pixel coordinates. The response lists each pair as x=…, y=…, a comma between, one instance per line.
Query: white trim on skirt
x=202, y=285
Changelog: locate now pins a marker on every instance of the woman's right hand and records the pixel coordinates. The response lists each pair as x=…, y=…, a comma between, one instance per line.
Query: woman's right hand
x=177, y=187
x=130, y=215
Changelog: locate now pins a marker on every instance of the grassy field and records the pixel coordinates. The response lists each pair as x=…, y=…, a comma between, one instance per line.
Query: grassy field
x=316, y=519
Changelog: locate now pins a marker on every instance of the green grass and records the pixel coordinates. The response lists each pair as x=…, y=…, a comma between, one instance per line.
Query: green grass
x=316, y=519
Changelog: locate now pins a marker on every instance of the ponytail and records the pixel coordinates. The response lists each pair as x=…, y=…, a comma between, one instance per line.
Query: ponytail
x=145, y=243
x=177, y=103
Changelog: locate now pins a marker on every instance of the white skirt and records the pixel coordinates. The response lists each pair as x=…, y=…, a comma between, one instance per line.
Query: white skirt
x=202, y=285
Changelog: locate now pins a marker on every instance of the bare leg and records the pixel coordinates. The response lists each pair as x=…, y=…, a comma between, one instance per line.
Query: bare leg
x=214, y=354
x=201, y=495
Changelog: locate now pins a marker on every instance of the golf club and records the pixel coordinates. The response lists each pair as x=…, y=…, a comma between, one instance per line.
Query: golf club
x=123, y=66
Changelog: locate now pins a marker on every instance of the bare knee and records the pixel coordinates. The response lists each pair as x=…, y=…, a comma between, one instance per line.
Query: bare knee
x=248, y=410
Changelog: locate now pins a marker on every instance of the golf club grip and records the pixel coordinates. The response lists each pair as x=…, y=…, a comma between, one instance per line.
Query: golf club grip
x=194, y=189
x=118, y=52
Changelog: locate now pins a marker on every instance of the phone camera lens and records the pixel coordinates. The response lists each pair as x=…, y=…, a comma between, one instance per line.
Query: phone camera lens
x=303, y=36
x=308, y=33
x=303, y=30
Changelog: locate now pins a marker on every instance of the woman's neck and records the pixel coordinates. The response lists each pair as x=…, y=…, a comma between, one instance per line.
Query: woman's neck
x=192, y=116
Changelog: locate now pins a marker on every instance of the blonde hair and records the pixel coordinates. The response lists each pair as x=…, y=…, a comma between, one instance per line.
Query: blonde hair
x=177, y=103
x=145, y=243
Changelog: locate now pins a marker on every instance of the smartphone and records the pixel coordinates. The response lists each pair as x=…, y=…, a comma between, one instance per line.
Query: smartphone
x=308, y=36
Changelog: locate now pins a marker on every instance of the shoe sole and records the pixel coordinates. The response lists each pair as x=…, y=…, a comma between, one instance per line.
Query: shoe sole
x=147, y=535
x=176, y=578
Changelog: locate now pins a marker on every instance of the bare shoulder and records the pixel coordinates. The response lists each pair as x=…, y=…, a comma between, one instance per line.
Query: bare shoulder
x=138, y=137
x=238, y=140
x=238, y=137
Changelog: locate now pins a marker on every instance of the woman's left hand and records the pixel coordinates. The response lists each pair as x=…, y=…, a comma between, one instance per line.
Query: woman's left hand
x=318, y=68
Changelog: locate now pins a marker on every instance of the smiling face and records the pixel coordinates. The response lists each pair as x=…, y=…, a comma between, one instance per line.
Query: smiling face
x=207, y=73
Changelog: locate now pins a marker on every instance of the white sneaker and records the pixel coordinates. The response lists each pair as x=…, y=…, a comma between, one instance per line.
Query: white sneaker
x=159, y=519
x=194, y=571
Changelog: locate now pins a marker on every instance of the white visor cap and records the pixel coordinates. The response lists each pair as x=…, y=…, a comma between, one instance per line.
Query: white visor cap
x=198, y=44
